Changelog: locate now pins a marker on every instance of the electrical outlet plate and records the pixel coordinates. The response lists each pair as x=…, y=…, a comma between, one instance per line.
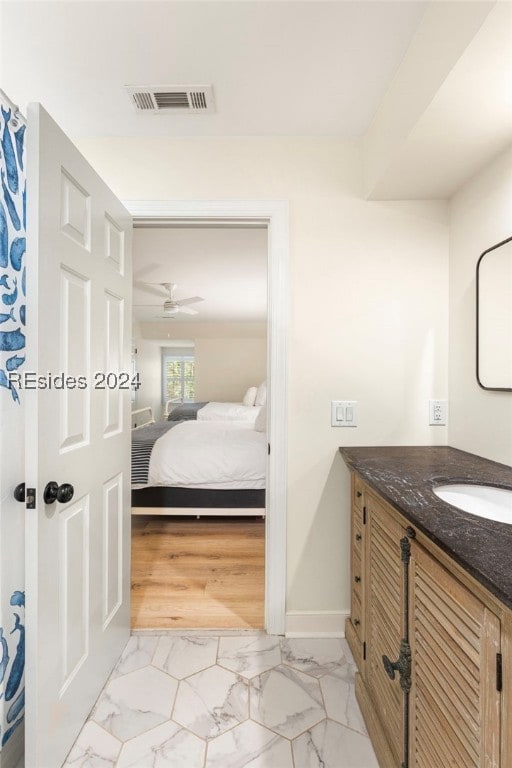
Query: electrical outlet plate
x=343, y=413
x=437, y=412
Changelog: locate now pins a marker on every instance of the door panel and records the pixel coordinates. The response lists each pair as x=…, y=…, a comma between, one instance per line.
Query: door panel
x=75, y=322
x=114, y=244
x=112, y=548
x=114, y=311
x=75, y=211
x=78, y=553
x=75, y=585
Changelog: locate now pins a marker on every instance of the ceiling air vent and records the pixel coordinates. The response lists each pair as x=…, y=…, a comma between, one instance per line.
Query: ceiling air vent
x=171, y=98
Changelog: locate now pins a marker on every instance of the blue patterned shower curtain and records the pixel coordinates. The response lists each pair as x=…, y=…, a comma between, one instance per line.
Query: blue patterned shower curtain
x=12, y=357
x=12, y=245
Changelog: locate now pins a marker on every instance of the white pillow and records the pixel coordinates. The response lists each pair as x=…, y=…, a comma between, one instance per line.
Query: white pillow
x=261, y=394
x=250, y=396
x=260, y=425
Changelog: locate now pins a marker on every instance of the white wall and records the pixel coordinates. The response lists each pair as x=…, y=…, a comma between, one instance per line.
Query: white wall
x=149, y=368
x=369, y=289
x=225, y=368
x=229, y=358
x=480, y=420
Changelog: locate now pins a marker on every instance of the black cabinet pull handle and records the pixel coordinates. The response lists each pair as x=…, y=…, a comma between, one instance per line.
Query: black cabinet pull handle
x=402, y=665
x=358, y=537
x=390, y=666
x=19, y=492
x=359, y=494
x=357, y=579
x=356, y=622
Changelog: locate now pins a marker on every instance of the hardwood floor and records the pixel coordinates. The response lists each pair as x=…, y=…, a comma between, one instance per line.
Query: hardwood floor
x=198, y=574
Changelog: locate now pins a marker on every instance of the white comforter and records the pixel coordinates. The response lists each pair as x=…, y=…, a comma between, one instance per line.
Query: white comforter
x=209, y=455
x=228, y=412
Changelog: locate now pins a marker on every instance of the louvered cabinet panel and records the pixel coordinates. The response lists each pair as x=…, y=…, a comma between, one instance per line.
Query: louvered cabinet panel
x=384, y=619
x=454, y=703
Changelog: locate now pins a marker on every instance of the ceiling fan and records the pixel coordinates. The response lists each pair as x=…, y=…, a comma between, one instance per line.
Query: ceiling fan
x=171, y=305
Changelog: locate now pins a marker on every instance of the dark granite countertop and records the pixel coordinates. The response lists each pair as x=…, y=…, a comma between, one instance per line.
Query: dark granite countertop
x=405, y=475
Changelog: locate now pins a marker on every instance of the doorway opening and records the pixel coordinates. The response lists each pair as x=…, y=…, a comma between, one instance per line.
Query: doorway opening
x=258, y=541
x=200, y=350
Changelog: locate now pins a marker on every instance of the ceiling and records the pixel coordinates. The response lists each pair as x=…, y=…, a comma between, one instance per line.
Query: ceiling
x=277, y=68
x=465, y=124
x=426, y=86
x=225, y=266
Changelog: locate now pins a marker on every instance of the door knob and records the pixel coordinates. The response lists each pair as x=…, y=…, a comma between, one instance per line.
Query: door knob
x=55, y=492
x=19, y=492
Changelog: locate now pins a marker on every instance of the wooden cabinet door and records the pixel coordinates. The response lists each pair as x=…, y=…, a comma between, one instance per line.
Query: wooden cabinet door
x=454, y=702
x=384, y=624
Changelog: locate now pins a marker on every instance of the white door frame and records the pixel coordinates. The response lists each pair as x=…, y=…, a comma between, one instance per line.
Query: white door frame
x=273, y=213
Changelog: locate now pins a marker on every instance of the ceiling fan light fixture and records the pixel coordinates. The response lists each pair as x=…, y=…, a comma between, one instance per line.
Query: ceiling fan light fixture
x=173, y=306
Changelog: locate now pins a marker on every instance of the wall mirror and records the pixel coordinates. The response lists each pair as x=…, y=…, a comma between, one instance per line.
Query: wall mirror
x=494, y=317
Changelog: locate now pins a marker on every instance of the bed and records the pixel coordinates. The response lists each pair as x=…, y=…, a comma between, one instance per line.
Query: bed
x=212, y=411
x=245, y=411
x=189, y=467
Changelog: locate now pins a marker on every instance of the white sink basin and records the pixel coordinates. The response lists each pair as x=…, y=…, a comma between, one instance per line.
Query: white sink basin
x=482, y=500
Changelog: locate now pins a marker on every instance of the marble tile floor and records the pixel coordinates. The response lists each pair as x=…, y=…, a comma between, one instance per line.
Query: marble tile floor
x=227, y=701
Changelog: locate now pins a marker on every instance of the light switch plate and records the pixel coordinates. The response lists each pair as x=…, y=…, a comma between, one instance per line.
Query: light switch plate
x=343, y=413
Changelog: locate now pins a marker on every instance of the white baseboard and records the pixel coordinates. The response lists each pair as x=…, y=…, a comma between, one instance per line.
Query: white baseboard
x=316, y=624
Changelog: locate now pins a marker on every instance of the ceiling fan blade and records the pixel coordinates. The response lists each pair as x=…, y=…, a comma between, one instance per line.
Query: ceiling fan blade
x=191, y=300
x=150, y=306
x=188, y=311
x=145, y=271
x=151, y=288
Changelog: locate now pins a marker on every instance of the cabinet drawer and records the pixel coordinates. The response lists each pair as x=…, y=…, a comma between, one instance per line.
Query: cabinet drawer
x=356, y=614
x=357, y=535
x=357, y=574
x=358, y=493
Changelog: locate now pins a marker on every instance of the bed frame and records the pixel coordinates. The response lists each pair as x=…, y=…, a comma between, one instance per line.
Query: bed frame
x=142, y=417
x=200, y=511
x=163, y=500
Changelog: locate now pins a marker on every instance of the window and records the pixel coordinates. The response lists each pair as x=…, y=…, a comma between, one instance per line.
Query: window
x=178, y=375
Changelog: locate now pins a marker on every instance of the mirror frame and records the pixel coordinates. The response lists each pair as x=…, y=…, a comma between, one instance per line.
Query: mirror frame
x=492, y=248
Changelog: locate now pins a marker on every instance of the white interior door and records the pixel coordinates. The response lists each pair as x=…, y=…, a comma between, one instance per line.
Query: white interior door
x=78, y=324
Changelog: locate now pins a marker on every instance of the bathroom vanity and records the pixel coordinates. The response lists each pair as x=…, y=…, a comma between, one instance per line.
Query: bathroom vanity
x=431, y=610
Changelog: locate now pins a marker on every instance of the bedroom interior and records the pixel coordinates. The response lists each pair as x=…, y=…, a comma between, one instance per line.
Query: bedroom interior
x=198, y=545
